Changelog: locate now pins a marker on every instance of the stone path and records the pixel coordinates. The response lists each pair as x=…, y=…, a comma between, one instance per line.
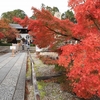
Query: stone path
x=12, y=76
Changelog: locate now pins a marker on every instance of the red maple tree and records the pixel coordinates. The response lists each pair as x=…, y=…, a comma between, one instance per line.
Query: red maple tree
x=85, y=69
x=6, y=31
x=82, y=59
x=47, y=30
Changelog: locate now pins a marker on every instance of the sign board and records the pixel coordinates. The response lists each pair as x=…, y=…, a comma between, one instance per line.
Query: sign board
x=12, y=47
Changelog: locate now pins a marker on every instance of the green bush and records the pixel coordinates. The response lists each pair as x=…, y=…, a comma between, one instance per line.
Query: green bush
x=5, y=44
x=32, y=44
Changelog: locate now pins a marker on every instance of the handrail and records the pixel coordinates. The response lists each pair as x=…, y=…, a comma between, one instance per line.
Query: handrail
x=34, y=81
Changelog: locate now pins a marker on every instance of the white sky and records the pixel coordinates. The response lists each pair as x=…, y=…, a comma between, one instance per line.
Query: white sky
x=25, y=5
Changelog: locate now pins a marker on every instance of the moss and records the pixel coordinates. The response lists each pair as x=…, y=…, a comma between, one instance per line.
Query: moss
x=41, y=86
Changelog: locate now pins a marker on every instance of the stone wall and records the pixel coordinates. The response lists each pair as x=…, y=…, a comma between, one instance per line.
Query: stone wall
x=5, y=48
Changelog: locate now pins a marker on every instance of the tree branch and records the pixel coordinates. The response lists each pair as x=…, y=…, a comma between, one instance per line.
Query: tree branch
x=62, y=34
x=84, y=1
x=57, y=32
x=94, y=20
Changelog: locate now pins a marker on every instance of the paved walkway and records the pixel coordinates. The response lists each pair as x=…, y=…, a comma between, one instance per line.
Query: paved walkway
x=12, y=76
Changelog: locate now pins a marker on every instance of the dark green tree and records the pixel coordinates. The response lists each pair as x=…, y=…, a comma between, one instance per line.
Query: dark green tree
x=15, y=13
x=52, y=10
x=70, y=15
x=33, y=17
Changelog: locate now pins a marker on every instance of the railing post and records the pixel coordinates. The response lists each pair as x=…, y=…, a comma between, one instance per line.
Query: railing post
x=33, y=78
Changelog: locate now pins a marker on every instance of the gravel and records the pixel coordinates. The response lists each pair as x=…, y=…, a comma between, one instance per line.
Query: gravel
x=48, y=90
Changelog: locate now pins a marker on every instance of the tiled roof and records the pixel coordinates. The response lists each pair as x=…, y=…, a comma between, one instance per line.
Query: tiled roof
x=17, y=26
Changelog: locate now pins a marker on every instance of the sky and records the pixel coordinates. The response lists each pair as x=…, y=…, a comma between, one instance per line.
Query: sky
x=26, y=5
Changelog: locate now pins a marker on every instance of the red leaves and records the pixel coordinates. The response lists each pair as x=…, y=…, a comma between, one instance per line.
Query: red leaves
x=1, y=35
x=85, y=66
x=74, y=3
x=23, y=22
x=82, y=59
x=6, y=31
x=87, y=86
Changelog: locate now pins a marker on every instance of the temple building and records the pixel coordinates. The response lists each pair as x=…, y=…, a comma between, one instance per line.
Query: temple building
x=23, y=32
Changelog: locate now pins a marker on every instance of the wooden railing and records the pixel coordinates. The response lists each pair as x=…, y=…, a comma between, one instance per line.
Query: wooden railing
x=33, y=79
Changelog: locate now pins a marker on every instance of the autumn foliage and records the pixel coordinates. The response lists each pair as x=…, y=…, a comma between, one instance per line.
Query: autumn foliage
x=45, y=27
x=82, y=59
x=85, y=69
x=6, y=31
x=1, y=35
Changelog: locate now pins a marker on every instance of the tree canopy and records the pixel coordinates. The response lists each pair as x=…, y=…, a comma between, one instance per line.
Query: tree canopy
x=50, y=28
x=6, y=31
x=81, y=58
x=15, y=13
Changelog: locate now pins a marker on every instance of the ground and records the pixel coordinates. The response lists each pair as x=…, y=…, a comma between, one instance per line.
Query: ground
x=49, y=90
